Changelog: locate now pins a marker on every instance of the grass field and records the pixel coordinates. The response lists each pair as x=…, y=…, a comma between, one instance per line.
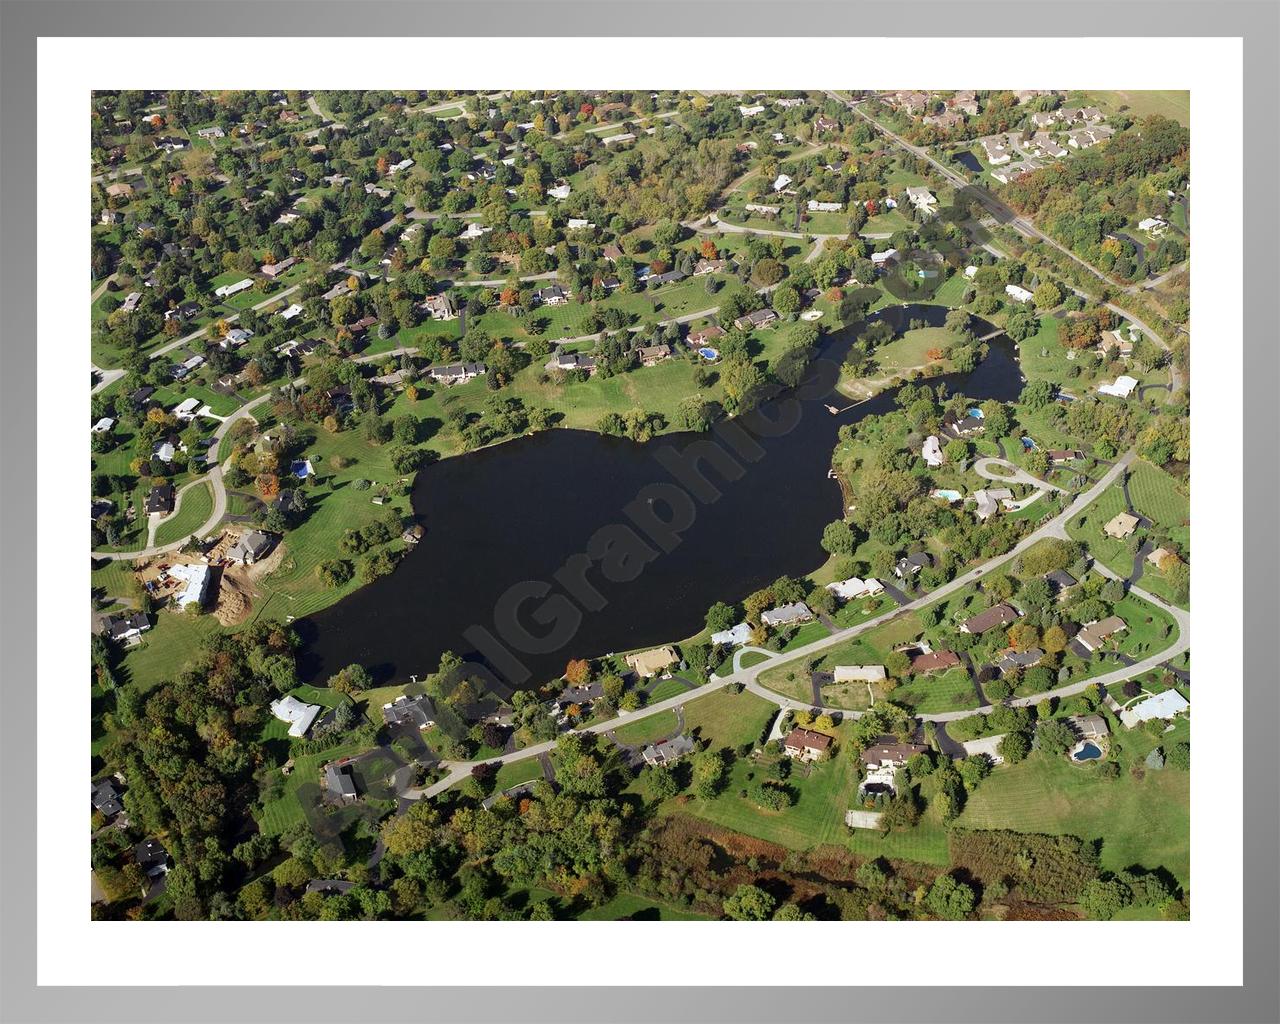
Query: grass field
x=912, y=349
x=1162, y=499
x=517, y=772
x=665, y=688
x=197, y=504
x=752, y=658
x=166, y=647
x=1171, y=103
x=640, y=908
x=282, y=813
x=729, y=719
x=1139, y=821
x=648, y=729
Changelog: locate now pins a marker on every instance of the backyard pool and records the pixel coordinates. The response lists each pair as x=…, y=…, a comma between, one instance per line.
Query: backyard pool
x=709, y=354
x=1087, y=752
x=947, y=494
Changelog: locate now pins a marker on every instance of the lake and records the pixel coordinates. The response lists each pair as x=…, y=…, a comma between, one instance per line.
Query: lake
x=571, y=544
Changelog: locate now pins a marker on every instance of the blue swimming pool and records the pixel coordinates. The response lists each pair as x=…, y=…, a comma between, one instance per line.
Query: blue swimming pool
x=1028, y=444
x=1087, y=752
x=976, y=413
x=709, y=354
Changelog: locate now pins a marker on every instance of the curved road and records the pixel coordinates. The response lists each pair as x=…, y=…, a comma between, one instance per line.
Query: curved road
x=1017, y=474
x=1056, y=527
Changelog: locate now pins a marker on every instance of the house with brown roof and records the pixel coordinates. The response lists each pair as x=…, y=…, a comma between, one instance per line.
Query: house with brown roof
x=933, y=661
x=653, y=354
x=1057, y=456
x=647, y=664
x=1121, y=525
x=992, y=618
x=888, y=751
x=806, y=744
x=1095, y=634
x=699, y=338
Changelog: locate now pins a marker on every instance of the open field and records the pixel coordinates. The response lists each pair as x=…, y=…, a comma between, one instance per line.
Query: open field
x=197, y=505
x=1171, y=103
x=729, y=719
x=647, y=730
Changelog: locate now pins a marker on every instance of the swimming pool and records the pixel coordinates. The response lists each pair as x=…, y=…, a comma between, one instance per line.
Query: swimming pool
x=709, y=354
x=947, y=494
x=1087, y=752
x=976, y=414
x=1028, y=444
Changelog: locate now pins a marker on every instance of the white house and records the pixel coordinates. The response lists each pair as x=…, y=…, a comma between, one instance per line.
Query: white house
x=1122, y=388
x=787, y=614
x=296, y=713
x=859, y=673
x=881, y=258
x=853, y=587
x=103, y=425
x=611, y=140
x=761, y=208
x=186, y=409
x=818, y=207
x=1152, y=225
x=289, y=312
x=1017, y=293
x=231, y=289
x=970, y=271
x=559, y=192
x=750, y=111
x=736, y=637
x=781, y=182
x=475, y=230
x=579, y=223
x=1166, y=705
x=196, y=577
x=921, y=198
x=931, y=452
x=403, y=165
x=997, y=154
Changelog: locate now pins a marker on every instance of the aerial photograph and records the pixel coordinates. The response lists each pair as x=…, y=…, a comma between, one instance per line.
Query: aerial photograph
x=672, y=505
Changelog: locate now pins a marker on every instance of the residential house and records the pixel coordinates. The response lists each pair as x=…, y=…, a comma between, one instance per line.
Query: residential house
x=1089, y=727
x=439, y=307
x=299, y=715
x=152, y=858
x=931, y=451
x=290, y=311
x=109, y=217
x=1114, y=342
x=750, y=111
x=402, y=165
x=196, y=576
x=735, y=637
x=1095, y=634
x=648, y=664
x=965, y=100
x=946, y=120
x=962, y=426
x=213, y=131
x=996, y=151
x=613, y=140
x=119, y=190
x=1152, y=225
x=456, y=373
x=131, y=302
x=710, y=267
x=699, y=338
x=806, y=744
x=1122, y=388
x=251, y=546
x=227, y=290
x=762, y=208
x=881, y=761
x=853, y=588
x=370, y=189
x=1043, y=144
x=670, y=277
x=933, y=661
x=668, y=750
x=651, y=355
x=159, y=500
x=993, y=618
x=570, y=361
x=819, y=207
x=1121, y=525
x=826, y=124
x=1060, y=456
x=560, y=192
x=274, y=270
x=142, y=396
x=910, y=565
x=340, y=783
x=106, y=798
x=125, y=626
x=103, y=426
x=552, y=295
x=1084, y=138
x=1160, y=557
x=988, y=500
x=1166, y=705
x=235, y=337
x=781, y=182
x=612, y=253
x=787, y=614
x=1011, y=660
x=760, y=318
x=341, y=288
x=1060, y=581
x=859, y=673
x=921, y=198
x=414, y=711
x=1017, y=293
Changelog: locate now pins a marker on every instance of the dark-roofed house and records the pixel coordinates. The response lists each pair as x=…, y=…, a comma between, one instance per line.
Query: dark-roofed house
x=759, y=318
x=106, y=798
x=957, y=426
x=806, y=744
x=152, y=858
x=887, y=750
x=998, y=615
x=699, y=338
x=251, y=546
x=456, y=373
x=142, y=396
x=159, y=500
x=668, y=750
x=125, y=625
x=653, y=354
x=415, y=711
x=1012, y=660
x=912, y=564
x=567, y=361
x=552, y=295
x=933, y=661
x=340, y=783
x=438, y=306
x=1057, y=456
x=1095, y=634
x=1060, y=581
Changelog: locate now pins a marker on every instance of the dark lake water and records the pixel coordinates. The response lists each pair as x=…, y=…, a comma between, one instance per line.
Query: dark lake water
x=576, y=521
x=967, y=159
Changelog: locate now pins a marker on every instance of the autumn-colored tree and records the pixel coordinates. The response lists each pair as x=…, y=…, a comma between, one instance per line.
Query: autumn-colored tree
x=658, y=266
x=268, y=486
x=573, y=711
x=933, y=355
x=220, y=328
x=382, y=165
x=577, y=672
x=1023, y=636
x=708, y=249
x=509, y=297
x=1054, y=639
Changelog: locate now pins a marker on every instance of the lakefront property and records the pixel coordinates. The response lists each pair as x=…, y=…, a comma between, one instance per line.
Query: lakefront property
x=640, y=504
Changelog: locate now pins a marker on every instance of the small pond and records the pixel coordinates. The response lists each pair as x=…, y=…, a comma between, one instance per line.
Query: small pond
x=1087, y=752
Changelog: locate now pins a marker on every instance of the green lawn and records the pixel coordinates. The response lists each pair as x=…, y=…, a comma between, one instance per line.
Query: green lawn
x=752, y=658
x=629, y=905
x=516, y=773
x=1171, y=103
x=648, y=729
x=947, y=691
x=286, y=811
x=809, y=633
x=729, y=719
x=197, y=504
x=911, y=350
x=1162, y=499
x=665, y=688
x=166, y=647
x=1139, y=821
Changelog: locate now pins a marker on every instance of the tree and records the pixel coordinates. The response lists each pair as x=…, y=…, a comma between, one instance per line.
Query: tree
x=1047, y=296
x=837, y=538
x=1055, y=736
x=578, y=672
x=1102, y=898
x=721, y=616
x=749, y=903
x=1179, y=756
x=1015, y=747
x=950, y=899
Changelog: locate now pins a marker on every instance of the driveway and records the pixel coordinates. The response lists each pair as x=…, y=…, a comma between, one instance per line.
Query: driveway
x=986, y=468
